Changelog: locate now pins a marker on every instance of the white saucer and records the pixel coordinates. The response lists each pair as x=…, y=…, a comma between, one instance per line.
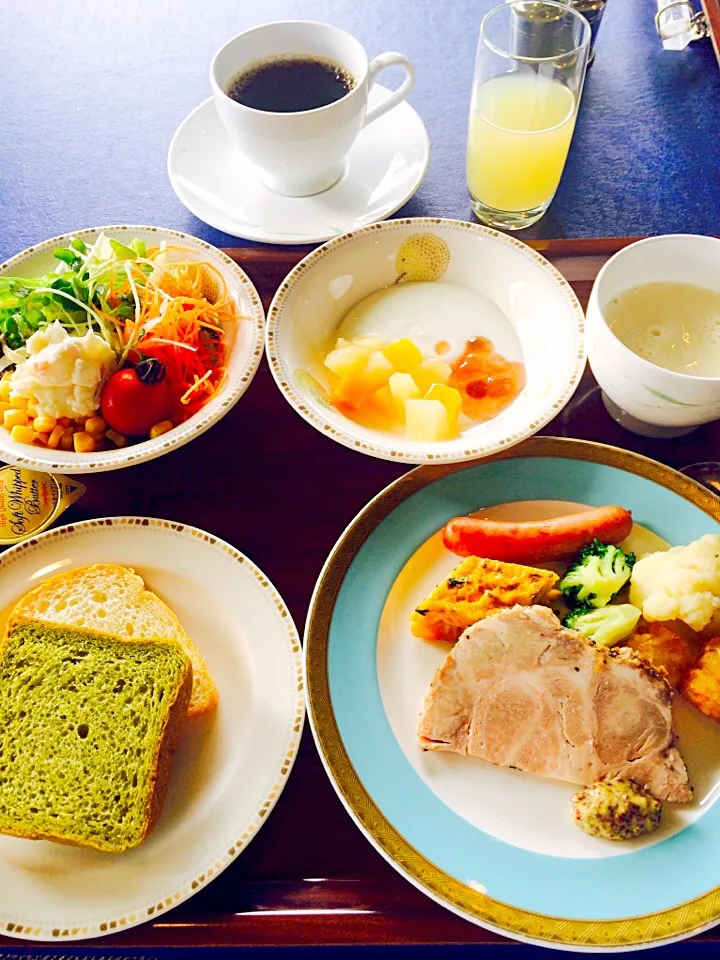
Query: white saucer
x=215, y=182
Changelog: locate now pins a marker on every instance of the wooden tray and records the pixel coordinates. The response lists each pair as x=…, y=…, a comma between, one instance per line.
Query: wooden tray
x=712, y=17
x=281, y=492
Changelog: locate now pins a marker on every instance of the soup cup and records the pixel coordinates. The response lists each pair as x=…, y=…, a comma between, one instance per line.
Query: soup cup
x=641, y=396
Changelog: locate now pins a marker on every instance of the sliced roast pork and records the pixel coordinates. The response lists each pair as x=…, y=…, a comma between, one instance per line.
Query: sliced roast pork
x=521, y=691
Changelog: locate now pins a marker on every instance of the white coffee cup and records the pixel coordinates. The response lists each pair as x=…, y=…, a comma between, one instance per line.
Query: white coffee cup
x=299, y=154
x=639, y=395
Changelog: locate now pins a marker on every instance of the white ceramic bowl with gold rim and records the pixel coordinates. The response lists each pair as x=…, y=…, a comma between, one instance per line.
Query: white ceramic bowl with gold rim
x=541, y=313
x=243, y=361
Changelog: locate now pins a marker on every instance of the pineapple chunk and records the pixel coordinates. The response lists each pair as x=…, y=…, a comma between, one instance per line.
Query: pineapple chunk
x=370, y=344
x=426, y=420
x=384, y=384
x=450, y=398
x=378, y=370
x=354, y=390
x=383, y=401
x=403, y=387
x=346, y=361
x=404, y=355
x=431, y=371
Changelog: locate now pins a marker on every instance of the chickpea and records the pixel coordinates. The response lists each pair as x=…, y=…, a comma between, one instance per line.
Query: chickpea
x=95, y=426
x=44, y=424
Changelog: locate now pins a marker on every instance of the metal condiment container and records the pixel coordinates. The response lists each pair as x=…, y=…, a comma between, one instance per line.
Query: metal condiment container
x=592, y=10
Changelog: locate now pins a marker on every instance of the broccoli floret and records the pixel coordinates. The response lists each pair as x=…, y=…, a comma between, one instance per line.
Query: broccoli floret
x=606, y=626
x=597, y=575
x=572, y=618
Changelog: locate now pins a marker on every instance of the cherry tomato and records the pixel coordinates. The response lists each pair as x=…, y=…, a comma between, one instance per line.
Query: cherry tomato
x=134, y=399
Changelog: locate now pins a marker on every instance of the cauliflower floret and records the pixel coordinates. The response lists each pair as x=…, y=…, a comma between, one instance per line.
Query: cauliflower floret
x=682, y=583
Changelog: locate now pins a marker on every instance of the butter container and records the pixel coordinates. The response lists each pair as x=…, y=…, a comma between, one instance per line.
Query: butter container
x=31, y=501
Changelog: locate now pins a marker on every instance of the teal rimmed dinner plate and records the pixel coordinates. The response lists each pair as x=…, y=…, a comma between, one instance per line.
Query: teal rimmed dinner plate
x=495, y=845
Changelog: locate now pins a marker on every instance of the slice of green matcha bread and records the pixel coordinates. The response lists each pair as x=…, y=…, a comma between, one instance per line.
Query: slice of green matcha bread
x=88, y=726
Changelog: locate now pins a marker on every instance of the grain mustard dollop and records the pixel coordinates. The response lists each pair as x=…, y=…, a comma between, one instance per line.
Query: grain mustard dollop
x=616, y=810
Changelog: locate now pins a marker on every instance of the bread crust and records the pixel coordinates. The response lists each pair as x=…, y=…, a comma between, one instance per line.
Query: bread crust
x=199, y=704
x=167, y=744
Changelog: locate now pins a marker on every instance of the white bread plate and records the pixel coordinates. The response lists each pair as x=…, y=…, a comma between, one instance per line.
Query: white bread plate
x=230, y=766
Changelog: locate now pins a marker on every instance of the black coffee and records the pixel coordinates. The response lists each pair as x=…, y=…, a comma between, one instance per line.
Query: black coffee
x=290, y=84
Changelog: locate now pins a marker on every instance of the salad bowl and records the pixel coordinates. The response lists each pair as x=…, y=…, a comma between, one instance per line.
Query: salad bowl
x=242, y=336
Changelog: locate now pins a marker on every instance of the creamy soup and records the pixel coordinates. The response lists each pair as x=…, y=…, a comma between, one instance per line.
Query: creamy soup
x=673, y=325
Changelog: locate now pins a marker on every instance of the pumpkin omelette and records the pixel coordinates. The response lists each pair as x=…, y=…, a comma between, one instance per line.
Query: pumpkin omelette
x=475, y=590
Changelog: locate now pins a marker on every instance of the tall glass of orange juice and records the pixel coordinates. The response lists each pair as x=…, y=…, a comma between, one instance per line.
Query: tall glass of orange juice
x=529, y=75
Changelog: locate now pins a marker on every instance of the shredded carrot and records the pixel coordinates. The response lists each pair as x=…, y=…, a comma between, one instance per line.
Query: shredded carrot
x=185, y=317
x=185, y=398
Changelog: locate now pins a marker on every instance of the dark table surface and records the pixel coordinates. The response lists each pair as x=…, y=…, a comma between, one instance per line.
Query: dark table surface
x=92, y=93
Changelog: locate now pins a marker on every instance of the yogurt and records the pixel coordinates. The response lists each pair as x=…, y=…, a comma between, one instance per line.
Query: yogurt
x=431, y=314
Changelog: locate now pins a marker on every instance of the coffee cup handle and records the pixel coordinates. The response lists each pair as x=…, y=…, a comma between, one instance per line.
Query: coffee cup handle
x=379, y=63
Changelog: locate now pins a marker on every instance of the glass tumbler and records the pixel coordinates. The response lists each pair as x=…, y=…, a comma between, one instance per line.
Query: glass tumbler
x=529, y=73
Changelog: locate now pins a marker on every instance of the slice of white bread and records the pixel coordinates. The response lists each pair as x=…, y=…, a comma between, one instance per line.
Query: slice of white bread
x=108, y=598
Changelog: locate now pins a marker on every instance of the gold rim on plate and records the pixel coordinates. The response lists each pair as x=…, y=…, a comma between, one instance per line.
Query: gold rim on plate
x=677, y=922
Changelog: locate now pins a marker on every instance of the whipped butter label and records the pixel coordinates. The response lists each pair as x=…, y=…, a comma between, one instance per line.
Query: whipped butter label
x=31, y=501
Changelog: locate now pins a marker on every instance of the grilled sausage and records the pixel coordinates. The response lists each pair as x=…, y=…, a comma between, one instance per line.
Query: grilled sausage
x=536, y=541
